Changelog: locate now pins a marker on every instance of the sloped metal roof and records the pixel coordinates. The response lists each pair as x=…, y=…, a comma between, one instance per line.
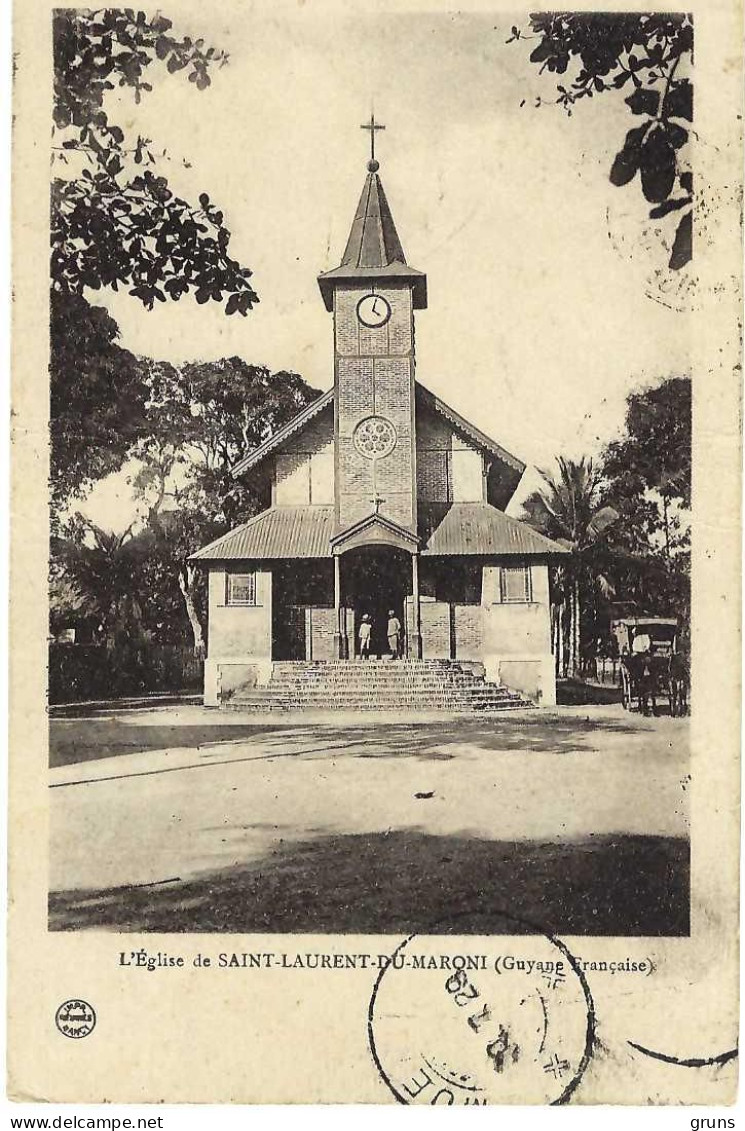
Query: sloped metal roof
x=306, y=532
x=373, y=239
x=281, y=532
x=478, y=528
x=373, y=248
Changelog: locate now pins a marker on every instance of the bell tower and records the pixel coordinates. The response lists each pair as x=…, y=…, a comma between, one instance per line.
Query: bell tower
x=373, y=295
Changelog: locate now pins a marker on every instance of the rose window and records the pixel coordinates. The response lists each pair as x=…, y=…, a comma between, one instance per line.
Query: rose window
x=375, y=437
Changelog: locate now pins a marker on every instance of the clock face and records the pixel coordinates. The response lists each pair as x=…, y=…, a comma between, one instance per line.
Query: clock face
x=373, y=311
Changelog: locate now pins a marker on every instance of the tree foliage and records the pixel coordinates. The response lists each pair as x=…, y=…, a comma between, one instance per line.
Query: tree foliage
x=98, y=396
x=647, y=475
x=643, y=56
x=115, y=222
x=569, y=509
x=204, y=418
x=201, y=419
x=96, y=572
x=624, y=521
x=655, y=452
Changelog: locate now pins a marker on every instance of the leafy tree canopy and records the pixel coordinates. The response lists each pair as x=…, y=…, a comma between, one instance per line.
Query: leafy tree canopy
x=648, y=477
x=655, y=453
x=204, y=416
x=641, y=56
x=115, y=222
x=568, y=508
x=98, y=396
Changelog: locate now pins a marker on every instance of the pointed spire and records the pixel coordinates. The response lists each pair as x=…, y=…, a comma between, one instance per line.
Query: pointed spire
x=373, y=248
x=373, y=239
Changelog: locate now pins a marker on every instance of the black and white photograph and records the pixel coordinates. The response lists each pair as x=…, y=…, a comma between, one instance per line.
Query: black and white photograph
x=376, y=385
x=370, y=588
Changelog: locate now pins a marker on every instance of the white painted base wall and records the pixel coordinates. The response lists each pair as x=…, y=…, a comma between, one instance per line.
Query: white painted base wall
x=221, y=675
x=530, y=674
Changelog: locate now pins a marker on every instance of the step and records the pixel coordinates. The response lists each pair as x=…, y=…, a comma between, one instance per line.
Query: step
x=407, y=685
x=496, y=697
x=282, y=706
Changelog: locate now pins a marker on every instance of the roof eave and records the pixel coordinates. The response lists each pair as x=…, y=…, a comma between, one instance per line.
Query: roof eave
x=298, y=422
x=471, y=431
x=343, y=536
x=396, y=273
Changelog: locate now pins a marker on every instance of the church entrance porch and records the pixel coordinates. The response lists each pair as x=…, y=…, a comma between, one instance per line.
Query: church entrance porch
x=374, y=580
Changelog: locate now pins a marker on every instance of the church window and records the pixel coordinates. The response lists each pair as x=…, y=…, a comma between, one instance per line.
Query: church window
x=241, y=589
x=515, y=584
x=374, y=437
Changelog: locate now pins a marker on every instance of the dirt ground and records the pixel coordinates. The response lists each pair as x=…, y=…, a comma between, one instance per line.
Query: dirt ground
x=180, y=819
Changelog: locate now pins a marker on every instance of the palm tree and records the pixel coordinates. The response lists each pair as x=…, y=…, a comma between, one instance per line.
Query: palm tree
x=99, y=566
x=568, y=509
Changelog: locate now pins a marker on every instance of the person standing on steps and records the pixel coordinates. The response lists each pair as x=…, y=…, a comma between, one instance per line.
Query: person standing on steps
x=364, y=637
x=394, y=634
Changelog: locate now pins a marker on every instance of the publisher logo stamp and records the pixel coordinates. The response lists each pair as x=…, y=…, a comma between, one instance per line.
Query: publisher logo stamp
x=75, y=1019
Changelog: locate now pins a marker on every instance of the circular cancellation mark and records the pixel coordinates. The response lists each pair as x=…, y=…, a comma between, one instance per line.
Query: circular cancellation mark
x=506, y=1032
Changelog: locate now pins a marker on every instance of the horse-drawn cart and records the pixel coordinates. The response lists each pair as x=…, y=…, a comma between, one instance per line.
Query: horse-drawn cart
x=647, y=678
x=655, y=671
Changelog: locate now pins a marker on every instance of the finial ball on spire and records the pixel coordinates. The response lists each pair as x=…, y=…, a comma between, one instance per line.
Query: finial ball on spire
x=373, y=166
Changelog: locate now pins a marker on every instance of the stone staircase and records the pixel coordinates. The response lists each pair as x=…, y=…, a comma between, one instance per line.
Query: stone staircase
x=374, y=685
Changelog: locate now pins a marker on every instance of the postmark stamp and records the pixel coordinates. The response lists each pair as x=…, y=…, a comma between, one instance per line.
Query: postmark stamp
x=75, y=1018
x=514, y=1023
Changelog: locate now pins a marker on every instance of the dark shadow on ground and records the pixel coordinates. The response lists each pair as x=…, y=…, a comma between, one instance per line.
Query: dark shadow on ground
x=84, y=740
x=404, y=882
x=577, y=693
x=74, y=741
x=87, y=709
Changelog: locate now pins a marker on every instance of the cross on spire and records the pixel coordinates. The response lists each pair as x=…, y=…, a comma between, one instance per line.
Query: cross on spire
x=372, y=126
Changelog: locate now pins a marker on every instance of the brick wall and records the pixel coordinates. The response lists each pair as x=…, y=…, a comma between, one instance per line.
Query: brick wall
x=469, y=635
x=448, y=468
x=435, y=622
x=352, y=339
x=432, y=475
x=374, y=374
x=320, y=628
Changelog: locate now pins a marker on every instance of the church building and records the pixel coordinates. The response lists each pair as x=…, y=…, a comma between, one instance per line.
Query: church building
x=381, y=498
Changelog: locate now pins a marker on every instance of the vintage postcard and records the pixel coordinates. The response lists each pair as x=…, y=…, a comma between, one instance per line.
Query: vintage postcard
x=376, y=554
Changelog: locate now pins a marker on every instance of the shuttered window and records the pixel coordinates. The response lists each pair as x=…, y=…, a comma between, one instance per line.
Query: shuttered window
x=241, y=589
x=515, y=587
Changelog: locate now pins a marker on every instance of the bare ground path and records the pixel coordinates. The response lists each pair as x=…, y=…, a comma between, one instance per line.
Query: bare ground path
x=177, y=819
